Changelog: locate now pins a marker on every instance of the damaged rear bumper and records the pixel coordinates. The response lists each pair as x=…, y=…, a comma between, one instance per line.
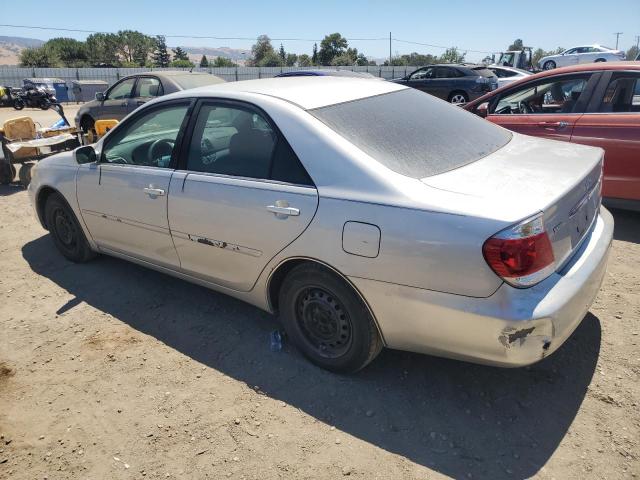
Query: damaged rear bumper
x=511, y=328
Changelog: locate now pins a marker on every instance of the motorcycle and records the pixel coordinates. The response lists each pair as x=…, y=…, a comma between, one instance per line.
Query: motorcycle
x=34, y=97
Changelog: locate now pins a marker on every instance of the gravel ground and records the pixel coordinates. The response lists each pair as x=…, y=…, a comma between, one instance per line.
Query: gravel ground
x=109, y=370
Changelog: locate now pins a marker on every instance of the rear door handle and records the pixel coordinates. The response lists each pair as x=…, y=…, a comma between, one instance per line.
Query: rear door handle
x=154, y=192
x=282, y=210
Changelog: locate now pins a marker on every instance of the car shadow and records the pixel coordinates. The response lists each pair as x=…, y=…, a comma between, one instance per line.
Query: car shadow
x=453, y=417
x=627, y=225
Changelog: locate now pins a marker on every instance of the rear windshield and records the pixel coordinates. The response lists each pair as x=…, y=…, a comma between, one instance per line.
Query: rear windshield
x=195, y=80
x=413, y=133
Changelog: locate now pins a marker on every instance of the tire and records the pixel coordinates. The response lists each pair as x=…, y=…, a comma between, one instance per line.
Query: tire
x=45, y=104
x=66, y=231
x=458, y=97
x=7, y=172
x=24, y=174
x=598, y=60
x=549, y=65
x=18, y=104
x=87, y=125
x=326, y=320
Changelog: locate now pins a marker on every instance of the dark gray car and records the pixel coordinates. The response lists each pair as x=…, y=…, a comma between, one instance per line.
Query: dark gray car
x=455, y=82
x=127, y=94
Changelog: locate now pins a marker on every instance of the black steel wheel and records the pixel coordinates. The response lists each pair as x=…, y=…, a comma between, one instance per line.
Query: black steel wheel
x=65, y=230
x=327, y=320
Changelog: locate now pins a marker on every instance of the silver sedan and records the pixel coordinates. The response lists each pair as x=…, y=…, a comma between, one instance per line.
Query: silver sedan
x=364, y=213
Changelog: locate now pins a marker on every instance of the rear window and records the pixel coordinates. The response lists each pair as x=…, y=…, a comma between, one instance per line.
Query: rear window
x=196, y=80
x=483, y=72
x=413, y=133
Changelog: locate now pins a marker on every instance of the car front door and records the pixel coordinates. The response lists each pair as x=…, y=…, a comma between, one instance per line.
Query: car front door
x=240, y=196
x=123, y=198
x=612, y=122
x=116, y=103
x=549, y=107
x=570, y=57
x=421, y=79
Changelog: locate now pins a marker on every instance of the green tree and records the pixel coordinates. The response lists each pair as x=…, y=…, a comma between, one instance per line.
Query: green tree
x=260, y=50
x=452, y=55
x=41, y=57
x=179, y=54
x=204, y=62
x=632, y=53
x=181, y=63
x=282, y=53
x=361, y=60
x=397, y=61
x=161, y=57
x=133, y=47
x=71, y=52
x=102, y=49
x=314, y=56
x=291, y=59
x=332, y=46
x=271, y=59
x=304, y=60
x=224, y=62
x=516, y=45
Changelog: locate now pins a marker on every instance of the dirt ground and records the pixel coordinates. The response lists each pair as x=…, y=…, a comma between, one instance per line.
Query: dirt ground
x=112, y=371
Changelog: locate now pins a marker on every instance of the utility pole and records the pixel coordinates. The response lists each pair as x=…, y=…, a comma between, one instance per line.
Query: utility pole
x=389, y=48
x=637, y=41
x=617, y=34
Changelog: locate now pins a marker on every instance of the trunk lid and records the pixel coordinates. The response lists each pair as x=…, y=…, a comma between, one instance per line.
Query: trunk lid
x=531, y=175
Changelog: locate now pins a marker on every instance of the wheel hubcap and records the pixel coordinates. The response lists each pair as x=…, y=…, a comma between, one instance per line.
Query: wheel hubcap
x=458, y=99
x=324, y=322
x=64, y=228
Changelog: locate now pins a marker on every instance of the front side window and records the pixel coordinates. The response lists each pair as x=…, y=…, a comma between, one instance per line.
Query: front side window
x=622, y=94
x=149, y=139
x=550, y=96
x=422, y=74
x=122, y=90
x=240, y=142
x=148, y=87
x=412, y=133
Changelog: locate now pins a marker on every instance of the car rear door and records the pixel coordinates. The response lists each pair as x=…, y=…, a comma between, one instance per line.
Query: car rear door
x=612, y=122
x=123, y=197
x=240, y=196
x=547, y=107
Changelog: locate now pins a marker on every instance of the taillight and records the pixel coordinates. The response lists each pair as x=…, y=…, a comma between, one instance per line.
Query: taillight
x=521, y=255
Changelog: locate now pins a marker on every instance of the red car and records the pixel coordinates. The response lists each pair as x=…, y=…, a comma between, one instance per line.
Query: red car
x=594, y=104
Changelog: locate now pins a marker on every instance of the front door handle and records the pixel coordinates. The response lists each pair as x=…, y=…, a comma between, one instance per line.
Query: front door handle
x=154, y=192
x=553, y=125
x=282, y=209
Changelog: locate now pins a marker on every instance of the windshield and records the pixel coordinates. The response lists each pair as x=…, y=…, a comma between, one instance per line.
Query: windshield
x=413, y=133
x=506, y=59
x=194, y=80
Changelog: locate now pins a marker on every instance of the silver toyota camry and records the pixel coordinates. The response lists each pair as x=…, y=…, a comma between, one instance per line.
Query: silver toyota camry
x=365, y=214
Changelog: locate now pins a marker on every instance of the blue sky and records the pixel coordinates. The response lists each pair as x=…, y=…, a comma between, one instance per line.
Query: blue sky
x=477, y=25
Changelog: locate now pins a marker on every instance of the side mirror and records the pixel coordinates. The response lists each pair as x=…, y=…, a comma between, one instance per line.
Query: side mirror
x=100, y=96
x=86, y=154
x=482, y=110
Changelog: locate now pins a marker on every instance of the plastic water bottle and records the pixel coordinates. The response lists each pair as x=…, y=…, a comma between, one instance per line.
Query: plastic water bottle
x=276, y=341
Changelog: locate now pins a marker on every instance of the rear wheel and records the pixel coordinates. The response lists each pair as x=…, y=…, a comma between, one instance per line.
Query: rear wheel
x=66, y=231
x=458, y=97
x=24, y=174
x=549, y=65
x=88, y=127
x=18, y=104
x=325, y=318
x=598, y=60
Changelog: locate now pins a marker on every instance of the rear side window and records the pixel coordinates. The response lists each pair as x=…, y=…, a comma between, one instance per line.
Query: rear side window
x=413, y=133
x=622, y=94
x=148, y=87
x=483, y=72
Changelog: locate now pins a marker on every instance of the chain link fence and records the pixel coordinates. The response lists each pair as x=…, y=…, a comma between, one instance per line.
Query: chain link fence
x=14, y=76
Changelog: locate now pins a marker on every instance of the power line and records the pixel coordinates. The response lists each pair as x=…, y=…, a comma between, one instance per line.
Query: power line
x=212, y=37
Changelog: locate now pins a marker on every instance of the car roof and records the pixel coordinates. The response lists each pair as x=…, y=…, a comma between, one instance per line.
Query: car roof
x=166, y=73
x=325, y=72
x=306, y=92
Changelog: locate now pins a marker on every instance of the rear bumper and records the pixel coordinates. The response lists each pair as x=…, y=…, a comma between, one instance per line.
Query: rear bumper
x=511, y=328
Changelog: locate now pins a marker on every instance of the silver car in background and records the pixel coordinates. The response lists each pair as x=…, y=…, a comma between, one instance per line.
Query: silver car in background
x=365, y=213
x=507, y=75
x=583, y=54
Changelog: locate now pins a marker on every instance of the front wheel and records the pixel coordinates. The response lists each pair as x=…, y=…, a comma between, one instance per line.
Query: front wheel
x=18, y=104
x=549, y=65
x=45, y=104
x=325, y=318
x=598, y=60
x=65, y=230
